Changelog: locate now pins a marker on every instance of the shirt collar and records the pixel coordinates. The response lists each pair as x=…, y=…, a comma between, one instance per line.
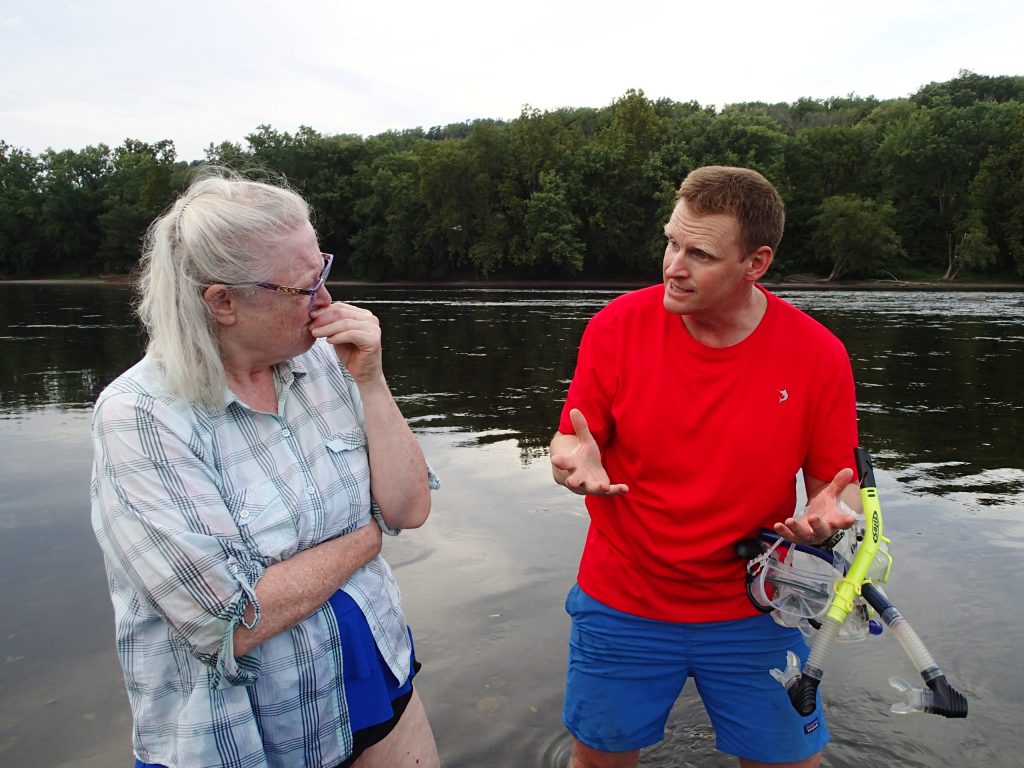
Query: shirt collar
x=288, y=371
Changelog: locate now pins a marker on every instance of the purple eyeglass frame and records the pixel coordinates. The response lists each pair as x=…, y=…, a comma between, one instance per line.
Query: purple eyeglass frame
x=311, y=292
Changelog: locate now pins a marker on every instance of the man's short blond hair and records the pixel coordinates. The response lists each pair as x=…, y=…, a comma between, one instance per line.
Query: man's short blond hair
x=743, y=193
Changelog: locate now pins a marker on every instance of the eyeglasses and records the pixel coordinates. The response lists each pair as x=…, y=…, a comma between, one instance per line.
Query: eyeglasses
x=311, y=292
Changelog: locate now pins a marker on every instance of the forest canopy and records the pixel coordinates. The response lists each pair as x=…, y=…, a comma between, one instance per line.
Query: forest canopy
x=925, y=187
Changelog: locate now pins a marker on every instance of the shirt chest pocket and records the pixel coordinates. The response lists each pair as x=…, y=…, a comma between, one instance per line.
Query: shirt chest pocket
x=346, y=450
x=346, y=440
x=266, y=526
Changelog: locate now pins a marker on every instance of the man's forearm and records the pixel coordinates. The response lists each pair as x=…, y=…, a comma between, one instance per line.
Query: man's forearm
x=851, y=497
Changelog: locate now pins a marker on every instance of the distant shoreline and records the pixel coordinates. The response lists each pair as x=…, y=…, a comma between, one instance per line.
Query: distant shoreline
x=773, y=285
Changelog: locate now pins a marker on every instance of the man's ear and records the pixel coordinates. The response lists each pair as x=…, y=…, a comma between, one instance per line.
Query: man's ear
x=221, y=303
x=759, y=262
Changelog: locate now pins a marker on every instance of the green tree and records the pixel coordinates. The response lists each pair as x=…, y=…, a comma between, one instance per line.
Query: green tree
x=618, y=190
x=575, y=191
x=539, y=142
x=855, y=235
x=998, y=191
x=552, y=228
x=388, y=213
x=229, y=155
x=21, y=239
x=141, y=183
x=321, y=168
x=667, y=166
x=821, y=162
x=929, y=156
x=442, y=242
x=969, y=88
x=683, y=146
x=72, y=186
x=807, y=113
x=973, y=250
x=488, y=156
x=743, y=135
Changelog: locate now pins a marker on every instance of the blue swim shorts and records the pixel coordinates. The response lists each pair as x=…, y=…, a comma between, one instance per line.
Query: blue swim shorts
x=625, y=673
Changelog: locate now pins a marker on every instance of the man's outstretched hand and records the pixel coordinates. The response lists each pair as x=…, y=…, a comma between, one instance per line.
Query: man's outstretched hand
x=576, y=461
x=822, y=516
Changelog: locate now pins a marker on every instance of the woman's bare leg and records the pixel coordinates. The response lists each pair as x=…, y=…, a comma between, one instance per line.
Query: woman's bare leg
x=410, y=744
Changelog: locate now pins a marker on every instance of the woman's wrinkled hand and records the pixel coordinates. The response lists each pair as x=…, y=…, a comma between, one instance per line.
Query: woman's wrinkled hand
x=355, y=334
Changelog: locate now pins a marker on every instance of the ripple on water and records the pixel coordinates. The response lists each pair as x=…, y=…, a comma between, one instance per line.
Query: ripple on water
x=1001, y=487
x=558, y=751
x=689, y=743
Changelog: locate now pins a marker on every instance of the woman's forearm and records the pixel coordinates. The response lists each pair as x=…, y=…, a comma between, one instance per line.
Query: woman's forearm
x=398, y=470
x=293, y=589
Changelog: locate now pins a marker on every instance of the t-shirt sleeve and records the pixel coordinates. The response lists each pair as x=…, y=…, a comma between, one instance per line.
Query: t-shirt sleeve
x=834, y=432
x=595, y=379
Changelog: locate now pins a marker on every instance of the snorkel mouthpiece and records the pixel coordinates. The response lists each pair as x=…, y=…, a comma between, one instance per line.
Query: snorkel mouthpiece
x=801, y=687
x=939, y=699
x=802, y=684
x=804, y=695
x=945, y=699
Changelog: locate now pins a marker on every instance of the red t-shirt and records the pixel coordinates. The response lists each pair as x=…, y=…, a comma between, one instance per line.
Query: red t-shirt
x=709, y=441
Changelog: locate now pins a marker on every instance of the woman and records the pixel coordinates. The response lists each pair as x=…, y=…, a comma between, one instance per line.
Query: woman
x=244, y=470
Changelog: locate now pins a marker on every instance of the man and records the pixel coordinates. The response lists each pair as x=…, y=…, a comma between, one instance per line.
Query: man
x=693, y=406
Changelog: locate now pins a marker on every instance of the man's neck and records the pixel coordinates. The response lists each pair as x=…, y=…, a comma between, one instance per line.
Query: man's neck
x=726, y=329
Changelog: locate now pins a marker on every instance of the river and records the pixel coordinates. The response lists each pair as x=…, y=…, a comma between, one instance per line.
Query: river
x=480, y=374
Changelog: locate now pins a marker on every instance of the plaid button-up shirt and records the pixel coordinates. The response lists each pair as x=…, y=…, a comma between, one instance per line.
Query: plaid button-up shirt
x=190, y=505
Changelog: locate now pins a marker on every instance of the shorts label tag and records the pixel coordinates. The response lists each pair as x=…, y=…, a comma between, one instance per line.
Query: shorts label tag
x=811, y=727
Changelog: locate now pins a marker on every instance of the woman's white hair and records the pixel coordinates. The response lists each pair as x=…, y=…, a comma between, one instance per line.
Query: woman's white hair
x=214, y=233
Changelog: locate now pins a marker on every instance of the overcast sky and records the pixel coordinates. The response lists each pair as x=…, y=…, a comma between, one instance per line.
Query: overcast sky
x=79, y=73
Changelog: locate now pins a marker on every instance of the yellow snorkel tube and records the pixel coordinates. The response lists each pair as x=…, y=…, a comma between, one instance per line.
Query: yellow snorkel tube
x=802, y=685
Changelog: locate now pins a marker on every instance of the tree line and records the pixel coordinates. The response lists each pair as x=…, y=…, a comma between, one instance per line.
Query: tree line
x=925, y=187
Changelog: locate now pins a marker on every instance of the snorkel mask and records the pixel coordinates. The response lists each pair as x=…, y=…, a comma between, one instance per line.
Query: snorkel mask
x=780, y=584
x=832, y=595
x=795, y=583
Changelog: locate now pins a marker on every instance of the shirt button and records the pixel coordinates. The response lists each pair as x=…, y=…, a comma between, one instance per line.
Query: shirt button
x=244, y=513
x=310, y=490
x=286, y=432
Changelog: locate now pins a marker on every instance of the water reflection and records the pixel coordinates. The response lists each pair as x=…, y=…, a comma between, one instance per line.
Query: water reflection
x=494, y=360
x=939, y=381
x=481, y=374
x=61, y=343
x=938, y=374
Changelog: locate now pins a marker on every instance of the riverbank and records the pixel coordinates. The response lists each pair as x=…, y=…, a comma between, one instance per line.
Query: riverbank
x=801, y=283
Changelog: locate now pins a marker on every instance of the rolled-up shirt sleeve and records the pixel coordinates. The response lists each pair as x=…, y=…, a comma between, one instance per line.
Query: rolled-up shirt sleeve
x=433, y=481
x=161, y=521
